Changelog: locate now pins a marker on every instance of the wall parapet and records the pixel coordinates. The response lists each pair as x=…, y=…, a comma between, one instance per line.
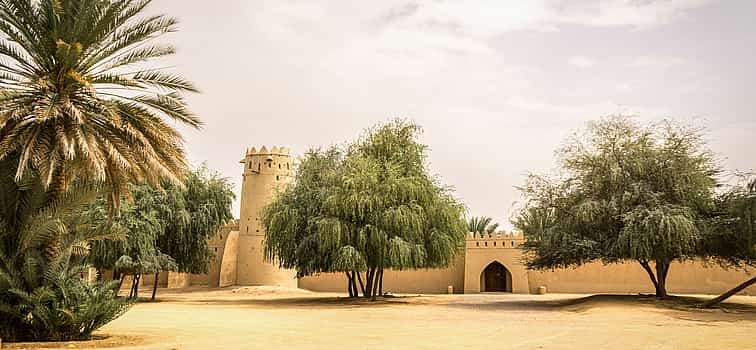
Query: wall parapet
x=499, y=240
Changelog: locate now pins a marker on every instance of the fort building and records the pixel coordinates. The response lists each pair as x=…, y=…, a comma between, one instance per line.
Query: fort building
x=489, y=262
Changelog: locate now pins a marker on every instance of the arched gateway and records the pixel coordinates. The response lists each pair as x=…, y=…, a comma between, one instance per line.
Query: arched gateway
x=495, y=278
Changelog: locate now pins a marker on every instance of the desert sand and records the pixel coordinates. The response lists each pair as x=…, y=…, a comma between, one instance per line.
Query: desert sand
x=274, y=318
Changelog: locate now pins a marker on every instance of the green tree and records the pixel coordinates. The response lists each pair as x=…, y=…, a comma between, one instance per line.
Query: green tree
x=78, y=100
x=43, y=244
x=480, y=224
x=193, y=213
x=626, y=192
x=367, y=207
x=730, y=237
x=79, y=106
x=168, y=228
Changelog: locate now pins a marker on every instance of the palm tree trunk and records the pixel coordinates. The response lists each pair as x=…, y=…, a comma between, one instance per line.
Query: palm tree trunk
x=730, y=293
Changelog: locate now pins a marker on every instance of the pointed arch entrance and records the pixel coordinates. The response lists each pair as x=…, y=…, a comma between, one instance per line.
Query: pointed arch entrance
x=495, y=278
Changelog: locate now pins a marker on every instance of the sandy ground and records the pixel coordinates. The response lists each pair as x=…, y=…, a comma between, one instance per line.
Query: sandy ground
x=270, y=318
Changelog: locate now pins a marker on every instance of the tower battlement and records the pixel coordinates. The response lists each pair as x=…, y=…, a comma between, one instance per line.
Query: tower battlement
x=264, y=151
x=494, y=240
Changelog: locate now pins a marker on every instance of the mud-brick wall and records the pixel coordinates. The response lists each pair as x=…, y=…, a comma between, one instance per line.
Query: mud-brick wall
x=683, y=278
x=436, y=281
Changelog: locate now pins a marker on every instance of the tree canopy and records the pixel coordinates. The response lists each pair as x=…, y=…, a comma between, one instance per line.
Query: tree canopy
x=365, y=207
x=730, y=236
x=168, y=227
x=626, y=191
x=79, y=100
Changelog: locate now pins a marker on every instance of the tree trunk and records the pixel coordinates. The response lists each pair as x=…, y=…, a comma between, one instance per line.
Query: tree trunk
x=660, y=278
x=374, y=293
x=131, y=290
x=662, y=268
x=380, y=282
x=355, y=291
x=730, y=293
x=369, y=285
x=120, y=284
x=650, y=272
x=136, y=285
x=349, y=284
x=154, y=286
x=362, y=285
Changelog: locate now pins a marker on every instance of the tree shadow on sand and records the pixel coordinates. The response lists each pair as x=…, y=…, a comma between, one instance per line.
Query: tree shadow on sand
x=682, y=307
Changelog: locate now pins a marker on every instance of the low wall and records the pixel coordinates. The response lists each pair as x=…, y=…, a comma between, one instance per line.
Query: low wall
x=626, y=278
x=435, y=281
x=683, y=278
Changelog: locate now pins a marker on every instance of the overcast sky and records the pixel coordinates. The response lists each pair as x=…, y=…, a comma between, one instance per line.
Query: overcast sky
x=496, y=85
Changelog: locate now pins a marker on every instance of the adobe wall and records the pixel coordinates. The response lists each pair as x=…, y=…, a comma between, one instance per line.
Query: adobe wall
x=148, y=280
x=217, y=245
x=481, y=250
x=434, y=281
x=227, y=269
x=683, y=278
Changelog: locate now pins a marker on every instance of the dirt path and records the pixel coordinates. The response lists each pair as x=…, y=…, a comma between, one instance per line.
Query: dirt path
x=270, y=319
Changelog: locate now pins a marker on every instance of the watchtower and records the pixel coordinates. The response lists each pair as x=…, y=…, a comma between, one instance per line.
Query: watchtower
x=265, y=173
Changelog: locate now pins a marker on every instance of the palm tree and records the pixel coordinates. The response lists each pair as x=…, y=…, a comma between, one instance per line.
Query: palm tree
x=78, y=101
x=478, y=224
x=43, y=243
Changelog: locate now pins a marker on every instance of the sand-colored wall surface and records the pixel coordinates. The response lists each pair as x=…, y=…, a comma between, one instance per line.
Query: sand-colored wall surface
x=684, y=278
x=409, y=281
x=227, y=270
x=627, y=278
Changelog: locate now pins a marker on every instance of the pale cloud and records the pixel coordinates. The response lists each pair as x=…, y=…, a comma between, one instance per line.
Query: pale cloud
x=580, y=61
x=450, y=25
x=657, y=61
x=636, y=14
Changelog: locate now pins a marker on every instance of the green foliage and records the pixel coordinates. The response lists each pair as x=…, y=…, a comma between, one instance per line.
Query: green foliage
x=730, y=236
x=365, y=207
x=168, y=228
x=78, y=100
x=42, y=247
x=482, y=224
x=192, y=214
x=626, y=192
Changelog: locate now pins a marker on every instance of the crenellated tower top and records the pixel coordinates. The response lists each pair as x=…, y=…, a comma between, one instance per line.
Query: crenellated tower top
x=275, y=161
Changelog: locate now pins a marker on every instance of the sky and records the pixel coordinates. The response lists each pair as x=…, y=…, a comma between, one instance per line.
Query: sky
x=496, y=85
